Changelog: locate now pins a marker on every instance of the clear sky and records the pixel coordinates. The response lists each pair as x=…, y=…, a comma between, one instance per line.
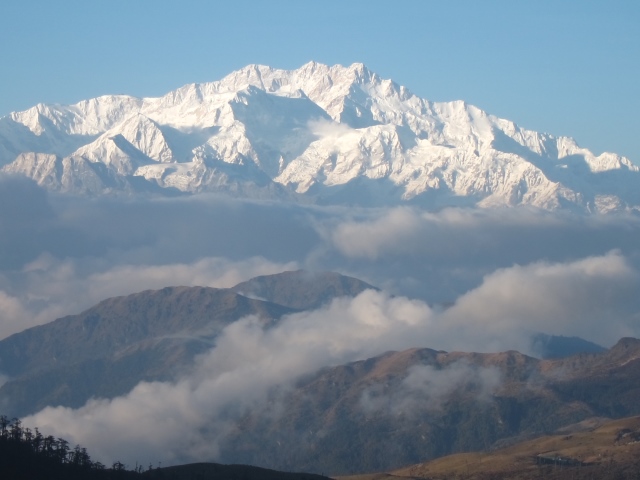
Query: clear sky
x=558, y=66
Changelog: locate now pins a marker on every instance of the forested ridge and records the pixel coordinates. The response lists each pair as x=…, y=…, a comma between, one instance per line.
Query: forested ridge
x=28, y=454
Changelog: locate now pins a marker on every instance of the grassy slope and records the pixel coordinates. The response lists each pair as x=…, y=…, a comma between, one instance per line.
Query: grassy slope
x=605, y=457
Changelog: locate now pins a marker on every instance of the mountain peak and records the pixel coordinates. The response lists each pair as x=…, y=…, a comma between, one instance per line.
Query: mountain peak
x=335, y=134
x=361, y=71
x=313, y=65
x=301, y=289
x=627, y=344
x=255, y=69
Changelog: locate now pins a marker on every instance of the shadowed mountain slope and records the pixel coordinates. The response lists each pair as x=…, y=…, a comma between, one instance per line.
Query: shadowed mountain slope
x=558, y=346
x=302, y=290
x=152, y=335
x=406, y=407
x=116, y=324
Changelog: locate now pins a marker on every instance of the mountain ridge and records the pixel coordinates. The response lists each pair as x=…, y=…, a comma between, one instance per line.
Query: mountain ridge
x=401, y=408
x=330, y=134
x=150, y=335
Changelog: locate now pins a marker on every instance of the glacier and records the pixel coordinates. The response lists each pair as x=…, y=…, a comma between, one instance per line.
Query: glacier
x=319, y=134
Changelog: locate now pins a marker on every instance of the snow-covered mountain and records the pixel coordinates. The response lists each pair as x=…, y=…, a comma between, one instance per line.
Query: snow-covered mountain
x=324, y=134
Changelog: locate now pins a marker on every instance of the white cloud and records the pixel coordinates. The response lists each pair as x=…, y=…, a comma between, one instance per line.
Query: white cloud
x=207, y=272
x=427, y=388
x=592, y=298
x=508, y=273
x=373, y=238
x=13, y=316
x=249, y=360
x=327, y=128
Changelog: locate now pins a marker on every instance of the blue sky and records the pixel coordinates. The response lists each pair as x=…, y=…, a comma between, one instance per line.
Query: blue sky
x=563, y=67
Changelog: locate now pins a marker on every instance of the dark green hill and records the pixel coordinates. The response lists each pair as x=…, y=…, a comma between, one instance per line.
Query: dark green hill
x=108, y=349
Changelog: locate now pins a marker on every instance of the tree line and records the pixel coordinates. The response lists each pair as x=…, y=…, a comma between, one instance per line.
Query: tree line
x=28, y=454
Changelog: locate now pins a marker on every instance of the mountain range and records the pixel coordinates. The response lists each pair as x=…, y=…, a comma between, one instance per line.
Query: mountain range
x=319, y=134
x=392, y=410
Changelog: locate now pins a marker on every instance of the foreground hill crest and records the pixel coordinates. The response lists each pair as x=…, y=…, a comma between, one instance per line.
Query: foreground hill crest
x=328, y=134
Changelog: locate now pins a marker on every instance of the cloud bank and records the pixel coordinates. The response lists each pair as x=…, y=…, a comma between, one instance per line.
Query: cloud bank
x=236, y=375
x=457, y=279
x=61, y=255
x=427, y=388
x=250, y=360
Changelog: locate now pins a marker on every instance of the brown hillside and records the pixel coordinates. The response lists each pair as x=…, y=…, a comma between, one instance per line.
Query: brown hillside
x=405, y=407
x=609, y=451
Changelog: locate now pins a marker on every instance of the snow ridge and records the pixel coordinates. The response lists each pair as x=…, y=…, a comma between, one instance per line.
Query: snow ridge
x=329, y=134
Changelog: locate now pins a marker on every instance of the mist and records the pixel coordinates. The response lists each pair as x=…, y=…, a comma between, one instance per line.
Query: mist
x=454, y=279
x=61, y=255
x=428, y=388
x=250, y=362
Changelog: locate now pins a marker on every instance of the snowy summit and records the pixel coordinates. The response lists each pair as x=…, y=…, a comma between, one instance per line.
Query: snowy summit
x=332, y=135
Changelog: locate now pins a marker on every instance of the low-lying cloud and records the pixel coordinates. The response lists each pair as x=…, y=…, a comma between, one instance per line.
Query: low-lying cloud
x=236, y=375
x=463, y=279
x=426, y=388
x=58, y=254
x=437, y=256
x=327, y=128
x=249, y=360
x=386, y=234
x=592, y=298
